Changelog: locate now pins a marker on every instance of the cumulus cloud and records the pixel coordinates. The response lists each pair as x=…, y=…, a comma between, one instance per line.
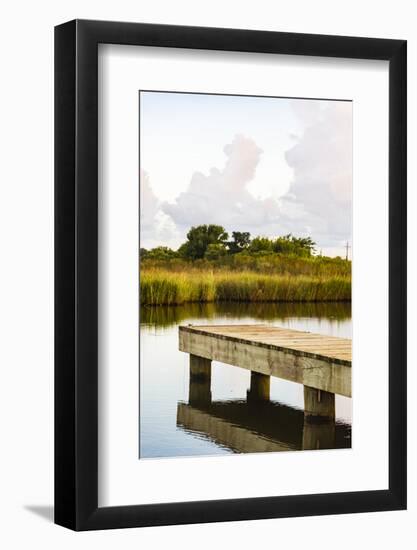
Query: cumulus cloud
x=222, y=197
x=149, y=203
x=317, y=204
x=320, y=195
x=156, y=227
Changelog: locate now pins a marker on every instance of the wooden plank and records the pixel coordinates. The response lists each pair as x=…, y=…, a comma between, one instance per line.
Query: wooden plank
x=275, y=337
x=319, y=403
x=328, y=371
x=269, y=332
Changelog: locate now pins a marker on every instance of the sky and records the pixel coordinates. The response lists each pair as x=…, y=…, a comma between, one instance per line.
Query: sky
x=270, y=166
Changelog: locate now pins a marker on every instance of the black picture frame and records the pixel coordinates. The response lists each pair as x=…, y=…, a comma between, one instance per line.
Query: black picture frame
x=76, y=272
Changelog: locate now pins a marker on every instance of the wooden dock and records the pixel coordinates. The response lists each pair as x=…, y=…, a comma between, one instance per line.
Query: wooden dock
x=321, y=363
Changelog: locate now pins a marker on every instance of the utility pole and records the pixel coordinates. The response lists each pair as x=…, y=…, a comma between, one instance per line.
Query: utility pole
x=347, y=250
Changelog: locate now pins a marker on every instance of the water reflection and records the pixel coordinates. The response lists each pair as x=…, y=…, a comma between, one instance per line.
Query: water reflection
x=180, y=418
x=256, y=424
x=165, y=316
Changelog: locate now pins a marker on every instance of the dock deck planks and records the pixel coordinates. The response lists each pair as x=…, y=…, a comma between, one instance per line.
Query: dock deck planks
x=315, y=360
x=326, y=347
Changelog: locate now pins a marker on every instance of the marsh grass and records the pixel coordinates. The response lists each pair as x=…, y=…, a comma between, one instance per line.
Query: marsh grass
x=277, y=264
x=163, y=287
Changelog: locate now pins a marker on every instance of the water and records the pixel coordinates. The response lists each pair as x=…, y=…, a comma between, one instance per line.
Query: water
x=175, y=421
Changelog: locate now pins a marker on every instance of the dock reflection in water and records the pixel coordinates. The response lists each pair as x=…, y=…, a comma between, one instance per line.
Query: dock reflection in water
x=175, y=423
x=256, y=425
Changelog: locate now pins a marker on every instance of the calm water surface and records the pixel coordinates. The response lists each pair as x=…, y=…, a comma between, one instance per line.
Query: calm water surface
x=174, y=421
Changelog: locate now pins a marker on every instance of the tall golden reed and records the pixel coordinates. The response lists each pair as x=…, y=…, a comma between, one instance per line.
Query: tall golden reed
x=163, y=287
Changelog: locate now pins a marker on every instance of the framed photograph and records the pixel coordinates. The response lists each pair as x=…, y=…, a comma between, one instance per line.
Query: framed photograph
x=230, y=285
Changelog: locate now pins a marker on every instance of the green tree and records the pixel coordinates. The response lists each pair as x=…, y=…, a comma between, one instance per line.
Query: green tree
x=215, y=251
x=288, y=244
x=307, y=244
x=161, y=253
x=200, y=237
x=261, y=244
x=240, y=242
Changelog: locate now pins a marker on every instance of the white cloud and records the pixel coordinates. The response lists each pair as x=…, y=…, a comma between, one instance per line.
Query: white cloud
x=321, y=190
x=156, y=228
x=222, y=197
x=149, y=203
x=317, y=203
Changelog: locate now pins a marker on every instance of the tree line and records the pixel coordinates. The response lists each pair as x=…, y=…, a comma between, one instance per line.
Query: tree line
x=212, y=242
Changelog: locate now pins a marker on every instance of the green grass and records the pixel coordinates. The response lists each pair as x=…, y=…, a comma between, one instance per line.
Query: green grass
x=316, y=266
x=164, y=287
